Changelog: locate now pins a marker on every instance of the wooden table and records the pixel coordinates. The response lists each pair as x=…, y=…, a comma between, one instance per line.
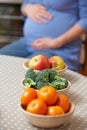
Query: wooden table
x=11, y=118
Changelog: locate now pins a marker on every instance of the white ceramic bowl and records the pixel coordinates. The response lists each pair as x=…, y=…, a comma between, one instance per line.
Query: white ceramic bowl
x=61, y=72
x=44, y=121
x=64, y=91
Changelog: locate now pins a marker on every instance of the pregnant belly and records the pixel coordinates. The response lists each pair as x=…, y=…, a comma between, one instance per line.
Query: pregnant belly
x=56, y=26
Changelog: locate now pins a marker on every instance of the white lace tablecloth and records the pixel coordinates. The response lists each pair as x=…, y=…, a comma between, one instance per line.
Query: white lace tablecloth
x=11, y=118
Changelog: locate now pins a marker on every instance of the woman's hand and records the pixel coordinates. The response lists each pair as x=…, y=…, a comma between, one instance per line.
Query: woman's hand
x=37, y=13
x=45, y=43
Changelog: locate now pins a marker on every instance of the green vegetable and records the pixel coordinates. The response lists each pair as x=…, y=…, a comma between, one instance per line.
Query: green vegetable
x=40, y=84
x=30, y=74
x=29, y=82
x=52, y=75
x=59, y=84
x=45, y=77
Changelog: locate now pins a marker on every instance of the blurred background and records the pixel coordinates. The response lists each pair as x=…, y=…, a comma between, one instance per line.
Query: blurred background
x=11, y=21
x=11, y=25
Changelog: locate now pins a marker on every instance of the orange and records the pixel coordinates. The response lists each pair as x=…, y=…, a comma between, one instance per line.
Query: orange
x=64, y=102
x=27, y=96
x=37, y=106
x=48, y=94
x=55, y=110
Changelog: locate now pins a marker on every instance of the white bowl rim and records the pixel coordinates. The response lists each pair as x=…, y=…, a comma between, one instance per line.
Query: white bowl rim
x=72, y=109
x=60, y=90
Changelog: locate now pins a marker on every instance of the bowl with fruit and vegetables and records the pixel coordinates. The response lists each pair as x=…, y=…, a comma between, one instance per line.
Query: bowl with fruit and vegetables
x=45, y=108
x=46, y=77
x=41, y=62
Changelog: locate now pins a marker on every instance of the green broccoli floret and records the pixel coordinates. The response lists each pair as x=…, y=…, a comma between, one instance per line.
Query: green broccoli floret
x=52, y=74
x=42, y=76
x=29, y=83
x=61, y=79
x=59, y=83
x=41, y=84
x=30, y=74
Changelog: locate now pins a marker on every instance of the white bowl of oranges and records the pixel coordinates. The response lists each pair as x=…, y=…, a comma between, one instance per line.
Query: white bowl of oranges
x=45, y=108
x=41, y=62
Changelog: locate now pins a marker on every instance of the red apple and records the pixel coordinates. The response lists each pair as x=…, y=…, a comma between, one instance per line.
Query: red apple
x=56, y=62
x=39, y=62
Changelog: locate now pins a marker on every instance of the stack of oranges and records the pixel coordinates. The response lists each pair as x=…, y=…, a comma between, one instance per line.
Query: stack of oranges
x=45, y=101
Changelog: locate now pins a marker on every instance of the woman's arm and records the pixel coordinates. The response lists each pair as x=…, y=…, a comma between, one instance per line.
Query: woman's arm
x=73, y=33
x=79, y=28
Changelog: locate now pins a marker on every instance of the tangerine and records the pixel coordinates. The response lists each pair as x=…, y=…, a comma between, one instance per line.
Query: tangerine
x=37, y=106
x=55, y=110
x=48, y=94
x=64, y=102
x=27, y=96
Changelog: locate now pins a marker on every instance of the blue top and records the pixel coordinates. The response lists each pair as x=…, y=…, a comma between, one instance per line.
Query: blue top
x=65, y=14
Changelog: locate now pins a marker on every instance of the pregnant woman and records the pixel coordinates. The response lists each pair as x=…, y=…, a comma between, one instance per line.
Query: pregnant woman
x=52, y=27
